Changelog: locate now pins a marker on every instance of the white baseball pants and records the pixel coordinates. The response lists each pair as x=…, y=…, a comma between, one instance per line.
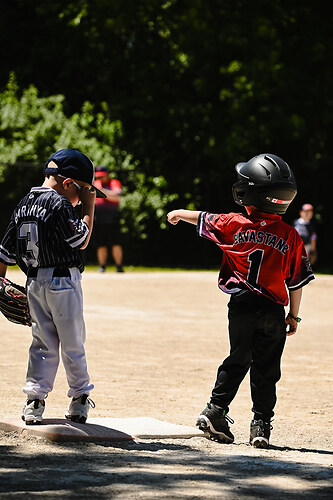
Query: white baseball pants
x=56, y=306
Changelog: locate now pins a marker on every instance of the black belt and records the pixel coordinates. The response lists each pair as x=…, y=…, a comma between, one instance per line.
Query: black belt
x=58, y=272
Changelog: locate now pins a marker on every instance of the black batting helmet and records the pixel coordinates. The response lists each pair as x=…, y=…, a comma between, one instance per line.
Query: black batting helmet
x=267, y=182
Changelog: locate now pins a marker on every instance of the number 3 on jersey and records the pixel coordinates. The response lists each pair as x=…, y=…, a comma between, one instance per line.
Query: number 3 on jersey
x=255, y=259
x=29, y=232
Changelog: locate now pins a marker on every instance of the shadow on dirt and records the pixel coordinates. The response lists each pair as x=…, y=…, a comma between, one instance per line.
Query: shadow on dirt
x=158, y=469
x=301, y=450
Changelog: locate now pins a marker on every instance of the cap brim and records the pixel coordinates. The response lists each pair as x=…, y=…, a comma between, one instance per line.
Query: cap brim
x=99, y=193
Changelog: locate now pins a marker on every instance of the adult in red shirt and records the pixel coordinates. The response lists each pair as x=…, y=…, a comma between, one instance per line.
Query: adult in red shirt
x=106, y=232
x=264, y=267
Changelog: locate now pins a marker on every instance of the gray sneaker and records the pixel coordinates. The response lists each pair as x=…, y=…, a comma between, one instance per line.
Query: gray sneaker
x=260, y=432
x=32, y=411
x=79, y=408
x=214, y=421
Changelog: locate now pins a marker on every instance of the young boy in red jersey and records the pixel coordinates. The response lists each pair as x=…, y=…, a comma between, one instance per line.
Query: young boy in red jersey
x=262, y=258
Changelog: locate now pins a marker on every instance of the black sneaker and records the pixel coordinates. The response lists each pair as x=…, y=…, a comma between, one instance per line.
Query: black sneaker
x=214, y=420
x=260, y=432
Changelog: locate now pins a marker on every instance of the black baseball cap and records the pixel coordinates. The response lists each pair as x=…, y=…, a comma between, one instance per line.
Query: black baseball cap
x=73, y=164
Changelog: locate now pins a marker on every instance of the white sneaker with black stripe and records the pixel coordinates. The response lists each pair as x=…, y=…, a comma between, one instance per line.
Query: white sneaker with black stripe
x=79, y=408
x=32, y=411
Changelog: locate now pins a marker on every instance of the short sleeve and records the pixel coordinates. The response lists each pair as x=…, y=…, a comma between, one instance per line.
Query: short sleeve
x=74, y=230
x=8, y=245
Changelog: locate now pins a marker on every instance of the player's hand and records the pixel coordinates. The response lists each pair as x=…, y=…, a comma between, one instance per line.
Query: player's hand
x=87, y=195
x=173, y=217
x=292, y=324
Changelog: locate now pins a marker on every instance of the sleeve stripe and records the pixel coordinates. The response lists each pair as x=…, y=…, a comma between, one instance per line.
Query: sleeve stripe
x=302, y=283
x=79, y=238
x=5, y=252
x=8, y=258
x=200, y=224
x=78, y=235
x=75, y=237
x=79, y=242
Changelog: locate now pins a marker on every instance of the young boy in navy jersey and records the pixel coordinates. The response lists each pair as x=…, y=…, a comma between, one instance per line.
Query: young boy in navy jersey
x=44, y=237
x=262, y=258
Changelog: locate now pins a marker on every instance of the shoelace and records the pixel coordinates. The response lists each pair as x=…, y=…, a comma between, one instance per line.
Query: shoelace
x=260, y=423
x=91, y=403
x=229, y=419
x=84, y=399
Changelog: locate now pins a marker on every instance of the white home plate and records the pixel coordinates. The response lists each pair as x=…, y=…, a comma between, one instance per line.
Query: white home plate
x=147, y=428
x=100, y=429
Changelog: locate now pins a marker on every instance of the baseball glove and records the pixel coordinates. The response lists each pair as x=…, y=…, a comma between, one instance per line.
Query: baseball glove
x=13, y=302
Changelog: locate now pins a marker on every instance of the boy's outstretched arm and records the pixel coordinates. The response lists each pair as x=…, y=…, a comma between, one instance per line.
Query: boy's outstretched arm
x=190, y=216
x=295, y=297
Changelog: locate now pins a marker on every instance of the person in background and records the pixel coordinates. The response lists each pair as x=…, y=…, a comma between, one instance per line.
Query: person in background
x=307, y=231
x=106, y=233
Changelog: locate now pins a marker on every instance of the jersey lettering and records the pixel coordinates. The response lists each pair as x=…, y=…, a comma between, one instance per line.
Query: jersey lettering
x=34, y=210
x=269, y=239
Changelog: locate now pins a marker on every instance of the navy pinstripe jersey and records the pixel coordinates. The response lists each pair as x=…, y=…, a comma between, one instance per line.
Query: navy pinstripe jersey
x=44, y=231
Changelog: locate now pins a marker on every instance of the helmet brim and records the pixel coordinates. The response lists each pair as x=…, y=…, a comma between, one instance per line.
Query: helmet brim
x=239, y=166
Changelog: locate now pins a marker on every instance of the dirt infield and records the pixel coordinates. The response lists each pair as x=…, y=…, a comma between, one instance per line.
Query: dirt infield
x=153, y=346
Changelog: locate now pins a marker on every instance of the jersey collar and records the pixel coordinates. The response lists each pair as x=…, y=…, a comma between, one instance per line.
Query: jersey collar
x=41, y=188
x=264, y=215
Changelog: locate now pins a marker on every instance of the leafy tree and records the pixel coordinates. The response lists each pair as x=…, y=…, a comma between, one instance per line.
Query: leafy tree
x=33, y=127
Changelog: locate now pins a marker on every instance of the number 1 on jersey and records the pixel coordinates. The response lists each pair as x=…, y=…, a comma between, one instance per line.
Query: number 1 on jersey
x=255, y=259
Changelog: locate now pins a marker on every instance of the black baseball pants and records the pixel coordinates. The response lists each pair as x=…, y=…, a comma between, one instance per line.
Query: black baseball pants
x=257, y=334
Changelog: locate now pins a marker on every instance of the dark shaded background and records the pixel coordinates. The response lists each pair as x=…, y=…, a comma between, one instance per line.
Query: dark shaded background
x=198, y=85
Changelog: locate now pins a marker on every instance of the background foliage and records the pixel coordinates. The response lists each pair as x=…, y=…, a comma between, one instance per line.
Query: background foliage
x=32, y=128
x=171, y=95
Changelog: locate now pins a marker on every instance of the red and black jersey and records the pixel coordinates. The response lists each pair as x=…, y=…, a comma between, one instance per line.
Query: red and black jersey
x=261, y=253
x=106, y=211
x=112, y=185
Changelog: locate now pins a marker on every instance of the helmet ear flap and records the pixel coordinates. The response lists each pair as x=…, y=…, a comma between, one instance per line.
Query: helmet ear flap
x=239, y=192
